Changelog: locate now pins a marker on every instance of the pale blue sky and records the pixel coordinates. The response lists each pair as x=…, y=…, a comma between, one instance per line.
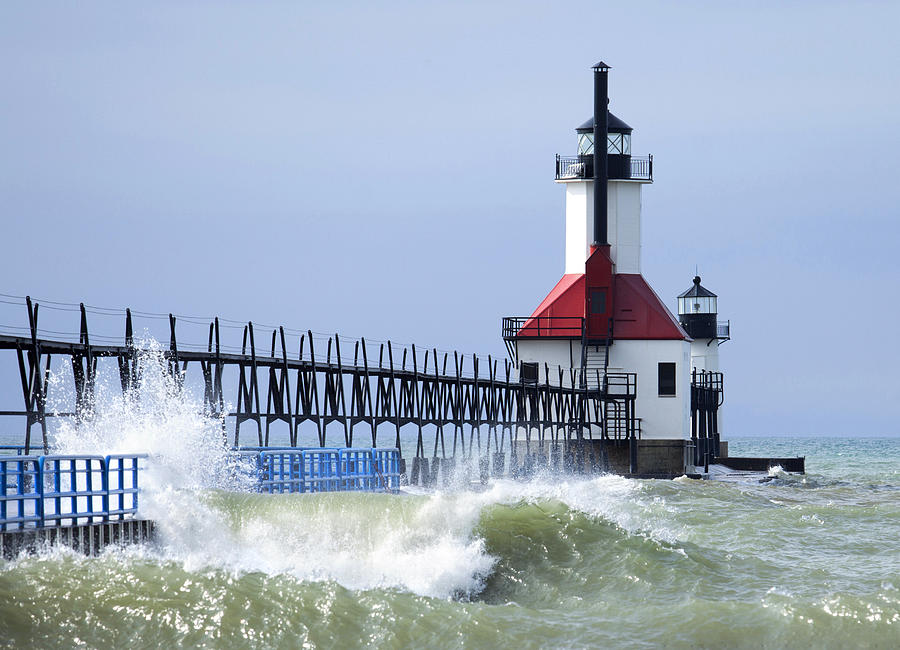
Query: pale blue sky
x=386, y=170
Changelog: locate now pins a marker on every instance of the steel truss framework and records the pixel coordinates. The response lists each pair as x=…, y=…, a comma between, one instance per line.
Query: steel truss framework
x=474, y=410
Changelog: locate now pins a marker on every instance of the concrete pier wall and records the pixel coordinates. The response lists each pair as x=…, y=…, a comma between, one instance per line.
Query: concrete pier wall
x=655, y=458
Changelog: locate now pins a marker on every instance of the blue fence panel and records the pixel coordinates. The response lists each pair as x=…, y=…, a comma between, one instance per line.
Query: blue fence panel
x=20, y=498
x=59, y=490
x=247, y=456
x=74, y=489
x=322, y=469
x=281, y=471
x=387, y=467
x=122, y=485
x=357, y=469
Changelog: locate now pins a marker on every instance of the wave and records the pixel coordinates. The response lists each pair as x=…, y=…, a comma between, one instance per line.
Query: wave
x=450, y=545
x=440, y=544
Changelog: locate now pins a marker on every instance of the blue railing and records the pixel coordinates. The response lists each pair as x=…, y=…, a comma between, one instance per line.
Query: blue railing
x=322, y=470
x=48, y=491
x=387, y=467
x=57, y=490
x=121, y=484
x=358, y=470
x=20, y=500
x=280, y=471
x=319, y=469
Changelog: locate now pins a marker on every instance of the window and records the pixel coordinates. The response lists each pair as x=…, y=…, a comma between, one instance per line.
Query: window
x=614, y=143
x=585, y=144
x=598, y=301
x=667, y=379
x=529, y=372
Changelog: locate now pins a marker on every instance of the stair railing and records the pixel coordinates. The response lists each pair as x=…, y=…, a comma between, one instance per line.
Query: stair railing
x=582, y=382
x=609, y=336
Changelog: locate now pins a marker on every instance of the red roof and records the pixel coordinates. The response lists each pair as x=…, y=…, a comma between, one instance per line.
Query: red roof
x=560, y=313
x=639, y=313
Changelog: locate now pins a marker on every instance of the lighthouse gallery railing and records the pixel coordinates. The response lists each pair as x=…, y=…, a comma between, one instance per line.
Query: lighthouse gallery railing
x=572, y=167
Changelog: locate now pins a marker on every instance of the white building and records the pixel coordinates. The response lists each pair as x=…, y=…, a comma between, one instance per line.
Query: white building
x=605, y=320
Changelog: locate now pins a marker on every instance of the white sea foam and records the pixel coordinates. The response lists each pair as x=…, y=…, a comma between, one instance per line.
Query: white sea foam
x=158, y=417
x=427, y=544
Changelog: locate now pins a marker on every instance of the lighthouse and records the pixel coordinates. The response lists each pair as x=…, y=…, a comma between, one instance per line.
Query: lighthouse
x=602, y=319
x=648, y=383
x=698, y=315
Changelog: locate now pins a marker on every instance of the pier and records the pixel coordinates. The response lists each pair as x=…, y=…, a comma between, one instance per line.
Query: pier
x=461, y=407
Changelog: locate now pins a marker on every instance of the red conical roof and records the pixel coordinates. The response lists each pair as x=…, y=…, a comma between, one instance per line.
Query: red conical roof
x=639, y=313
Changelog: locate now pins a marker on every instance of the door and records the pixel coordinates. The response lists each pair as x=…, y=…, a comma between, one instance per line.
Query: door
x=598, y=318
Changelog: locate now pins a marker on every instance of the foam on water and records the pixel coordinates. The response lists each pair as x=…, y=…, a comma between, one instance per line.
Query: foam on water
x=425, y=544
x=158, y=417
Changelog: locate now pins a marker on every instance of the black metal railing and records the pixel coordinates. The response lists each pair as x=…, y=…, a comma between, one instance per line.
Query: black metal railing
x=723, y=330
x=617, y=424
x=569, y=167
x=642, y=168
x=574, y=167
x=707, y=389
x=707, y=379
x=542, y=326
x=621, y=384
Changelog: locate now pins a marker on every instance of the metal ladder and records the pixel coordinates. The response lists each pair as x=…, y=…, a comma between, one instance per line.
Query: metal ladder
x=595, y=363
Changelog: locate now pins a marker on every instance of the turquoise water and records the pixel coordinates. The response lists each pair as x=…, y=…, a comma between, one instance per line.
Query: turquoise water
x=796, y=561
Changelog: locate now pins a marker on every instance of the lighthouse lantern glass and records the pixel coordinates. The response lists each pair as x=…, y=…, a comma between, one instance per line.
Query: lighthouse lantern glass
x=585, y=144
x=697, y=305
x=616, y=143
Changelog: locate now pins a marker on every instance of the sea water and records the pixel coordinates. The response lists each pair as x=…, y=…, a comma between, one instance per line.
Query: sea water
x=603, y=561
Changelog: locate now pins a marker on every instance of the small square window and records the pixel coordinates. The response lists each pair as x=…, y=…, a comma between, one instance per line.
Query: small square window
x=667, y=379
x=529, y=372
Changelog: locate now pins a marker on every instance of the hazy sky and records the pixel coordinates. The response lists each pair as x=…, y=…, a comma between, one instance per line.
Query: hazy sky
x=386, y=169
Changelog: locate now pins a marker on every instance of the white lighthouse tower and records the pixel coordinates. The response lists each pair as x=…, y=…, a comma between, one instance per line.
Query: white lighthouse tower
x=625, y=176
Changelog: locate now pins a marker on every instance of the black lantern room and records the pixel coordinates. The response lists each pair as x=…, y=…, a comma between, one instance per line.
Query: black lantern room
x=618, y=147
x=697, y=311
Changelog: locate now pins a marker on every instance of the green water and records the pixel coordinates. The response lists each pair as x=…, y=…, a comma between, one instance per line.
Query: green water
x=808, y=561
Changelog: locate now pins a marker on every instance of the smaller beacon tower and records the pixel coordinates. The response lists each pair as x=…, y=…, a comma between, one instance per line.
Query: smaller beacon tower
x=698, y=316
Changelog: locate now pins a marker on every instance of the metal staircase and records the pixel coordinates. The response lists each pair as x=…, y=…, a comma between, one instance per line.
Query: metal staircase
x=595, y=364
